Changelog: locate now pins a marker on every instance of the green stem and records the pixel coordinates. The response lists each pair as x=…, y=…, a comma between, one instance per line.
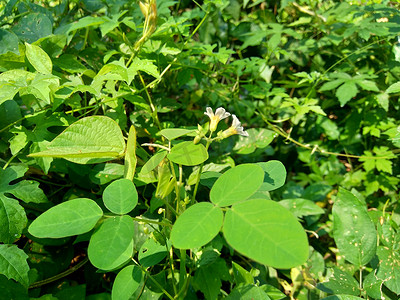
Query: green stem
x=182, y=270
x=153, y=108
x=59, y=276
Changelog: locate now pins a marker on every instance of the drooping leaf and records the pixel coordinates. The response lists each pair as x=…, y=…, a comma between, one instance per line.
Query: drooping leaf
x=69, y=218
x=353, y=230
x=120, y=197
x=236, y=184
x=89, y=140
x=188, y=154
x=13, y=264
x=112, y=243
x=197, y=226
x=266, y=232
x=38, y=59
x=126, y=283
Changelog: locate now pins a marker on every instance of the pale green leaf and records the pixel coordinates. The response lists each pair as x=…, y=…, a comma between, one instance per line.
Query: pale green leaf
x=275, y=175
x=13, y=264
x=237, y=184
x=112, y=243
x=120, y=197
x=394, y=88
x=197, y=226
x=266, y=232
x=345, y=92
x=69, y=218
x=173, y=133
x=188, y=154
x=126, y=283
x=38, y=59
x=153, y=162
x=301, y=207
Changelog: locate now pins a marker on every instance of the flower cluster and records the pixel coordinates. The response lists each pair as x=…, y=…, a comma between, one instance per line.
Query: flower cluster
x=221, y=114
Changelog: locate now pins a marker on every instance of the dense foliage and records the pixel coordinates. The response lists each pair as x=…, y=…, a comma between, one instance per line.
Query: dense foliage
x=126, y=173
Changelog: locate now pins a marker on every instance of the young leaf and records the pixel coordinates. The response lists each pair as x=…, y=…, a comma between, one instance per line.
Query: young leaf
x=188, y=154
x=126, y=283
x=69, y=218
x=237, y=184
x=353, y=230
x=120, y=197
x=38, y=59
x=112, y=243
x=13, y=264
x=266, y=232
x=197, y=226
x=89, y=140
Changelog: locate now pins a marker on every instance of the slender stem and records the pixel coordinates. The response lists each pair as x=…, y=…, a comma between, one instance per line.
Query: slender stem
x=153, y=108
x=182, y=270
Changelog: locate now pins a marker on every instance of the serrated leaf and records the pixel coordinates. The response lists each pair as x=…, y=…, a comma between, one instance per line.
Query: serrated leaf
x=38, y=59
x=13, y=264
x=126, y=283
x=112, y=243
x=69, y=218
x=120, y=197
x=89, y=140
x=197, y=226
x=188, y=154
x=237, y=184
x=353, y=230
x=346, y=91
x=266, y=232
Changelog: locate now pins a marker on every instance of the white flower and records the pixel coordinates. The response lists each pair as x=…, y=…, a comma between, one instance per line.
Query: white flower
x=236, y=128
x=220, y=114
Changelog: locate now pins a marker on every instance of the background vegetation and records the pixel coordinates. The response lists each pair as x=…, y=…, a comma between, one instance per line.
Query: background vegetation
x=314, y=83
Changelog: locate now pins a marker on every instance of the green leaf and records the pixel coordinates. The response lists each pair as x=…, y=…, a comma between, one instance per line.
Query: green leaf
x=112, y=243
x=188, y=154
x=120, y=197
x=275, y=175
x=153, y=162
x=342, y=297
x=151, y=253
x=33, y=27
x=346, y=91
x=144, y=65
x=266, y=232
x=12, y=290
x=241, y=275
x=389, y=268
x=126, y=283
x=394, y=88
x=8, y=42
x=197, y=226
x=13, y=264
x=373, y=285
x=104, y=173
x=38, y=59
x=173, y=133
x=130, y=155
x=89, y=140
x=340, y=282
x=237, y=184
x=301, y=207
x=69, y=218
x=353, y=230
x=69, y=63
x=258, y=138
x=248, y=292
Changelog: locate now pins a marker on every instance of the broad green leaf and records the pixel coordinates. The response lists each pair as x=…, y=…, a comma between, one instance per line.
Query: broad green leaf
x=188, y=154
x=353, y=230
x=340, y=282
x=151, y=253
x=8, y=42
x=258, y=138
x=266, y=232
x=104, y=173
x=197, y=226
x=13, y=264
x=12, y=219
x=301, y=207
x=144, y=65
x=12, y=290
x=173, y=133
x=126, y=283
x=112, y=243
x=236, y=184
x=275, y=175
x=373, y=285
x=241, y=275
x=33, y=27
x=89, y=140
x=153, y=162
x=69, y=218
x=38, y=59
x=120, y=197
x=346, y=91
x=389, y=268
x=248, y=292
